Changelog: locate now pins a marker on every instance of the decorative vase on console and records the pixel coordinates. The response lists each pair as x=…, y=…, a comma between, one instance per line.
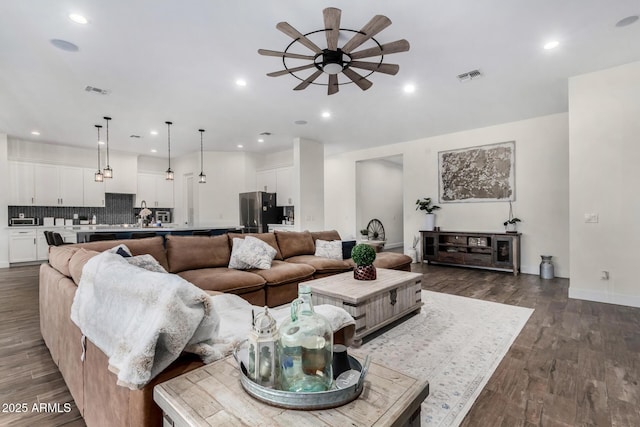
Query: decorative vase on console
x=364, y=255
x=425, y=205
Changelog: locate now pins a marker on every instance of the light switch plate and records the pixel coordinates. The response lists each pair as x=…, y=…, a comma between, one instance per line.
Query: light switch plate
x=591, y=218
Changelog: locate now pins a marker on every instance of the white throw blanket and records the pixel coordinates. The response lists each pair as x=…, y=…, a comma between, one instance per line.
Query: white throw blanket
x=143, y=320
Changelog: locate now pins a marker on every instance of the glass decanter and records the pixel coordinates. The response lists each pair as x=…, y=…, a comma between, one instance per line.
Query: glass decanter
x=306, y=347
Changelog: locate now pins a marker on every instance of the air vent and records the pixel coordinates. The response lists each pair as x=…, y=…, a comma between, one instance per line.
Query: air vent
x=266, y=133
x=135, y=136
x=468, y=76
x=96, y=90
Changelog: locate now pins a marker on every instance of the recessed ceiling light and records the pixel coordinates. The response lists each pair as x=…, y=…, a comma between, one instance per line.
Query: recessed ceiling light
x=35, y=132
x=64, y=45
x=77, y=18
x=326, y=114
x=241, y=82
x=409, y=88
x=627, y=21
x=551, y=45
x=153, y=150
x=300, y=122
x=261, y=140
x=240, y=145
x=154, y=132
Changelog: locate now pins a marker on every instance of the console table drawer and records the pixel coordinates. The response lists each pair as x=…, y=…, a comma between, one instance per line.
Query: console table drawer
x=478, y=259
x=457, y=257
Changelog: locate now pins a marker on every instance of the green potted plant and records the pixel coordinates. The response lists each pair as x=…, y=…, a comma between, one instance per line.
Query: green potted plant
x=426, y=206
x=510, y=224
x=364, y=255
x=364, y=233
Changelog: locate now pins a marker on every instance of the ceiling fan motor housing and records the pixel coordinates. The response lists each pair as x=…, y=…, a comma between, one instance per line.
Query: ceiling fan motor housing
x=332, y=61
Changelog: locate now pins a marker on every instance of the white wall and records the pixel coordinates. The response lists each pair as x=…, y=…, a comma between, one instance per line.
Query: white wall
x=542, y=187
x=309, y=186
x=4, y=201
x=275, y=160
x=604, y=150
x=379, y=194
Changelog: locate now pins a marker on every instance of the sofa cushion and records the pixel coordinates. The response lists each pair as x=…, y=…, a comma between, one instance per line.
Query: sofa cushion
x=323, y=265
x=269, y=238
x=153, y=246
x=325, y=235
x=254, y=252
x=193, y=252
x=147, y=262
x=294, y=243
x=282, y=272
x=59, y=257
x=329, y=249
x=223, y=279
x=77, y=262
x=234, y=261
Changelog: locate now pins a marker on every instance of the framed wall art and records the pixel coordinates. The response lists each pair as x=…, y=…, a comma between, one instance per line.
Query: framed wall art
x=485, y=173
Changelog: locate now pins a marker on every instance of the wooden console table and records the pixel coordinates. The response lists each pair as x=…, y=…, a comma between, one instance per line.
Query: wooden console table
x=495, y=251
x=213, y=396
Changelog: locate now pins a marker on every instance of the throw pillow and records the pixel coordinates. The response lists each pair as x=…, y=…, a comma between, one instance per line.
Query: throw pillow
x=147, y=262
x=347, y=247
x=234, y=261
x=329, y=249
x=77, y=262
x=256, y=253
x=121, y=250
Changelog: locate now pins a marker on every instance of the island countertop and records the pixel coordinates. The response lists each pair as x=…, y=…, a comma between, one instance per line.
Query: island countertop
x=124, y=232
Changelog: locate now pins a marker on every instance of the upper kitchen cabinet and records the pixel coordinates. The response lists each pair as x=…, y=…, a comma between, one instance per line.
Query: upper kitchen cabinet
x=266, y=181
x=58, y=185
x=21, y=184
x=125, y=174
x=93, y=191
x=155, y=190
x=284, y=187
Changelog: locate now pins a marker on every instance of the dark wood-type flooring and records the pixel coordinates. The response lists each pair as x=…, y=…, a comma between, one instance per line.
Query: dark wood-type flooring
x=575, y=363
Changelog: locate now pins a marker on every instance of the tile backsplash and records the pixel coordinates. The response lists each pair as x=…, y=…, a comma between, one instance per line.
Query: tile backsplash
x=118, y=209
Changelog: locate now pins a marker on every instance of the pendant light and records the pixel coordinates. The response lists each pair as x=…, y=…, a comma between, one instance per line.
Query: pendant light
x=202, y=177
x=108, y=172
x=169, y=172
x=98, y=177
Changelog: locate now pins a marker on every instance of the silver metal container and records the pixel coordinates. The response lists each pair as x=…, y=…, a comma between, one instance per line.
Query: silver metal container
x=546, y=267
x=301, y=400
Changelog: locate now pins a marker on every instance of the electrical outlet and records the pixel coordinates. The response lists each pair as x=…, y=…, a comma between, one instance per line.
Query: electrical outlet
x=591, y=218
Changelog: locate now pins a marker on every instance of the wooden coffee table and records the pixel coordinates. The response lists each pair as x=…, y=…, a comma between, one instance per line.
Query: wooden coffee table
x=373, y=303
x=213, y=396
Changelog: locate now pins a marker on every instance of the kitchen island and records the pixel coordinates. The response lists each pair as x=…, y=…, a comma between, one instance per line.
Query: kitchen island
x=125, y=232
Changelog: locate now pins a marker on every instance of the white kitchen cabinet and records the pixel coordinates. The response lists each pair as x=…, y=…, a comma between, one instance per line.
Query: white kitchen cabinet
x=284, y=187
x=22, y=246
x=93, y=191
x=42, y=247
x=155, y=190
x=58, y=185
x=21, y=184
x=266, y=181
x=125, y=174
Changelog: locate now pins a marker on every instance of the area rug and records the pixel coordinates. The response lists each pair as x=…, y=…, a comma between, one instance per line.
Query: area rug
x=456, y=343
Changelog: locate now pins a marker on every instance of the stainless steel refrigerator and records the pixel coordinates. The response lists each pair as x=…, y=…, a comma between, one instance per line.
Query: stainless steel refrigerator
x=257, y=210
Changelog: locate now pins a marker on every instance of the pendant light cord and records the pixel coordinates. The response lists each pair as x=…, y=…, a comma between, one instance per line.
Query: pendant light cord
x=201, y=152
x=98, y=127
x=107, y=119
x=169, y=141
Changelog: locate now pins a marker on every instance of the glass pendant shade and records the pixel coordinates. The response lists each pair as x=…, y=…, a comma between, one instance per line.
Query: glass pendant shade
x=169, y=172
x=98, y=177
x=202, y=178
x=107, y=172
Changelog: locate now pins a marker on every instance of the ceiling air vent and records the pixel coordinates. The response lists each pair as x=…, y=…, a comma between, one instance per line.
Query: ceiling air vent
x=266, y=133
x=135, y=136
x=470, y=75
x=96, y=90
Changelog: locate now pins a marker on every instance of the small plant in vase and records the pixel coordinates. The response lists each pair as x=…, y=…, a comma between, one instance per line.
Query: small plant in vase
x=364, y=255
x=425, y=205
x=511, y=224
x=364, y=233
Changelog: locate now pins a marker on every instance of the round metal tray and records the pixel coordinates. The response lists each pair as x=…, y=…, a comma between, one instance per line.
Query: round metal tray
x=301, y=400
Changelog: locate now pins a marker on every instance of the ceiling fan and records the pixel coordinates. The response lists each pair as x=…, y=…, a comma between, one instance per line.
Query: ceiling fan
x=334, y=60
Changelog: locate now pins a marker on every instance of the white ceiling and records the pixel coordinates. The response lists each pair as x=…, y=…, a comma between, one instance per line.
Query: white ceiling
x=178, y=60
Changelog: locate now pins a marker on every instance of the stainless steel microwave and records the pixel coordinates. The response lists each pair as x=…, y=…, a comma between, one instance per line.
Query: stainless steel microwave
x=23, y=221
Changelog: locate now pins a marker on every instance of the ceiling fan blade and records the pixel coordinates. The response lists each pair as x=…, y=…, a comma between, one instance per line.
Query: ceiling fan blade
x=332, y=26
x=385, y=49
x=308, y=80
x=290, y=70
x=333, y=84
x=373, y=27
x=267, y=52
x=362, y=83
x=297, y=35
x=374, y=66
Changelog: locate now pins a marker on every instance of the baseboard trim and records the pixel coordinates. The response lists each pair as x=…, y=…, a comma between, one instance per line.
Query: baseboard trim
x=605, y=297
x=393, y=245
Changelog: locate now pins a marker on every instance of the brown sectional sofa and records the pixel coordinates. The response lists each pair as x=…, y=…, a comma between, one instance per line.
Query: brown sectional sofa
x=200, y=260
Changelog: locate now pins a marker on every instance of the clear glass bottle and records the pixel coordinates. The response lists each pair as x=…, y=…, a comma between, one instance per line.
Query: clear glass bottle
x=306, y=347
